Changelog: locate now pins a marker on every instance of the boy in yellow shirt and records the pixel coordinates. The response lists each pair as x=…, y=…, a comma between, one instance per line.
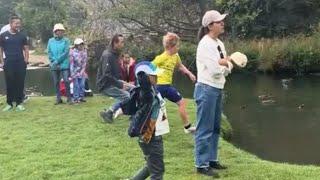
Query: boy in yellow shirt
x=168, y=61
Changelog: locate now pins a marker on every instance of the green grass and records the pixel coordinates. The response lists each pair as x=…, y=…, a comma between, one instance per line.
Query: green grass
x=71, y=142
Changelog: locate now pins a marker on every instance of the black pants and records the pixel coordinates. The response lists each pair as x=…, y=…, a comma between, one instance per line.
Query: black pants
x=153, y=153
x=15, y=74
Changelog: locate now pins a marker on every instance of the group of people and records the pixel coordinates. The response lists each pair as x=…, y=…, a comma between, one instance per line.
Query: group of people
x=68, y=64
x=213, y=65
x=118, y=76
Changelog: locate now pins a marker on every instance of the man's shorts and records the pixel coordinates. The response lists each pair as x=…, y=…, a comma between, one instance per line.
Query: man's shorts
x=169, y=92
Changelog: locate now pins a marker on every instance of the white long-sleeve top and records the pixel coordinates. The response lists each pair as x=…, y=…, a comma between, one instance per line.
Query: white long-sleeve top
x=210, y=72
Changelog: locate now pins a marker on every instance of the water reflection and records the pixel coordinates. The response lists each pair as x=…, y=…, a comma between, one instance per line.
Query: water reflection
x=284, y=131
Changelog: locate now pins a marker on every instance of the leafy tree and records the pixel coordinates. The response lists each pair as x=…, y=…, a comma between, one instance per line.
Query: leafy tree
x=39, y=16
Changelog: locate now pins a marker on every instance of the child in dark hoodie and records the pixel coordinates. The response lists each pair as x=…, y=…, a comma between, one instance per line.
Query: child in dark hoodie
x=145, y=109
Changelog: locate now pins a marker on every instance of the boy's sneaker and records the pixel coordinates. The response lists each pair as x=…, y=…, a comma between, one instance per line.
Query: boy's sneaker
x=20, y=108
x=189, y=130
x=82, y=100
x=117, y=113
x=7, y=108
x=207, y=171
x=217, y=165
x=107, y=116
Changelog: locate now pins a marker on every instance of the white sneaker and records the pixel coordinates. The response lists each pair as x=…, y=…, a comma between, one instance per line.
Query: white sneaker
x=117, y=113
x=191, y=130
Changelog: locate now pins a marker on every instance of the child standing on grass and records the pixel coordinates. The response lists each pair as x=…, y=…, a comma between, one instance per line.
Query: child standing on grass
x=144, y=107
x=78, y=63
x=168, y=61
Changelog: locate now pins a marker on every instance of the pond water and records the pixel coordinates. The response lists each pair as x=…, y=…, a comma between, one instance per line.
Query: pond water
x=275, y=118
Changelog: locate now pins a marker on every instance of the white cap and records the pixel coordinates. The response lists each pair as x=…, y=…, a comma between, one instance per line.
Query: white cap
x=58, y=26
x=212, y=16
x=78, y=41
x=148, y=68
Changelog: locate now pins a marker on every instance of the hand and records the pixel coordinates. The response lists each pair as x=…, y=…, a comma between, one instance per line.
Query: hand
x=192, y=77
x=224, y=61
x=1, y=65
x=125, y=86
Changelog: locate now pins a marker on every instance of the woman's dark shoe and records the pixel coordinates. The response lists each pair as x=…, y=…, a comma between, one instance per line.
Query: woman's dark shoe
x=217, y=165
x=207, y=171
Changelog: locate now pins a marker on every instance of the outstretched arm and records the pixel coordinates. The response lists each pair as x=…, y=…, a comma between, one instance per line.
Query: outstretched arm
x=186, y=71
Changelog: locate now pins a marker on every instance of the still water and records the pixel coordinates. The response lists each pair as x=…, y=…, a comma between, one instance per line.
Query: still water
x=275, y=118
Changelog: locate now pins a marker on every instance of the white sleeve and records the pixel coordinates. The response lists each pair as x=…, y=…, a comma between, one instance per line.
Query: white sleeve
x=208, y=57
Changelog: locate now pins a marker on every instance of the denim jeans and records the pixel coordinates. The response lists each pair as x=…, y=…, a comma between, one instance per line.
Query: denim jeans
x=117, y=93
x=78, y=88
x=56, y=76
x=209, y=107
x=153, y=152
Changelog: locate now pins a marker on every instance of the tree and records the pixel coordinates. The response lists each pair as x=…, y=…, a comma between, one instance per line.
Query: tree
x=39, y=16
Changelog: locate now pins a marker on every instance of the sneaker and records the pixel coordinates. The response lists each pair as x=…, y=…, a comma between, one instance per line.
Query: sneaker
x=26, y=98
x=7, y=108
x=207, y=171
x=82, y=100
x=58, y=101
x=107, y=116
x=117, y=113
x=20, y=108
x=190, y=130
x=216, y=165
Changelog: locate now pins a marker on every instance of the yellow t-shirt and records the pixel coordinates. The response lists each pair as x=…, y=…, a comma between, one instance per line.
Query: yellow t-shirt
x=167, y=63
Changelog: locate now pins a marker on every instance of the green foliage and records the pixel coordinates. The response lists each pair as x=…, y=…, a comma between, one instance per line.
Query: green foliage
x=6, y=10
x=39, y=16
x=299, y=54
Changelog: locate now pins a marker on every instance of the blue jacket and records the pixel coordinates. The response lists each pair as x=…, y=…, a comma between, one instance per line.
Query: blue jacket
x=58, y=51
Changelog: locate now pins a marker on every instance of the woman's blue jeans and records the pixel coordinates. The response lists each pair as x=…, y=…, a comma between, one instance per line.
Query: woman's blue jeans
x=209, y=107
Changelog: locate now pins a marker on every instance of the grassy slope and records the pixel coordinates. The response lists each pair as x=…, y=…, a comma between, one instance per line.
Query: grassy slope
x=71, y=142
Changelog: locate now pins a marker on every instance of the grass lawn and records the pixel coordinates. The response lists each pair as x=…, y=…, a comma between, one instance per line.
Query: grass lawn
x=71, y=142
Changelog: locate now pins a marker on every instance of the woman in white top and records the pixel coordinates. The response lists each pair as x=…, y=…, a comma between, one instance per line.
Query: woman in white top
x=212, y=66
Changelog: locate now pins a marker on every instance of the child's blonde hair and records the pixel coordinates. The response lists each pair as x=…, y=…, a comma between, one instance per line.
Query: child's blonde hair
x=170, y=40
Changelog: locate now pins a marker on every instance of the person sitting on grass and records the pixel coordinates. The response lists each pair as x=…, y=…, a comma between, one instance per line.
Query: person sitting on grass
x=78, y=63
x=144, y=106
x=168, y=61
x=127, y=68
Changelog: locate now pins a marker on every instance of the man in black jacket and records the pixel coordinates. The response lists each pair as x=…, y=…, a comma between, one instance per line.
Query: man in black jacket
x=109, y=77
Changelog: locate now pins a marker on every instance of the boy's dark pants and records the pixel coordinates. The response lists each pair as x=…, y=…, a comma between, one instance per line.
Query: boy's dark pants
x=153, y=153
x=15, y=73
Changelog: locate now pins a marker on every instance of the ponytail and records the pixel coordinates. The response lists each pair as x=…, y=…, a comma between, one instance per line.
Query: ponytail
x=202, y=31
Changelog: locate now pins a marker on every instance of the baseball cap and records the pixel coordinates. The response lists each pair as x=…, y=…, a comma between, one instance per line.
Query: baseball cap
x=148, y=68
x=212, y=16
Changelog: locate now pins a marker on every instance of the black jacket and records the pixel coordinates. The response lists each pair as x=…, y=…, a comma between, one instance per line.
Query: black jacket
x=109, y=73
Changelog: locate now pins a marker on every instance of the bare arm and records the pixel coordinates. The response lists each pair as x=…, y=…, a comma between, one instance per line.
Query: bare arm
x=186, y=71
x=224, y=61
x=26, y=53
